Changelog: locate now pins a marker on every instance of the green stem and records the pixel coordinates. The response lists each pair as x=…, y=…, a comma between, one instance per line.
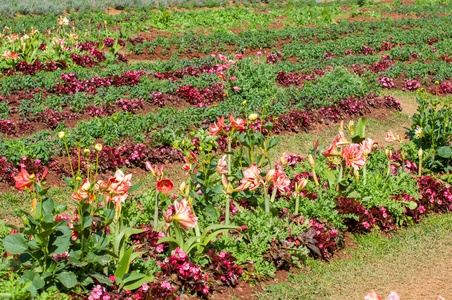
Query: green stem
x=156, y=210
x=341, y=170
x=389, y=169
x=70, y=161
x=226, y=214
x=297, y=201
x=420, y=167
x=314, y=175
x=273, y=194
x=365, y=173
x=229, y=155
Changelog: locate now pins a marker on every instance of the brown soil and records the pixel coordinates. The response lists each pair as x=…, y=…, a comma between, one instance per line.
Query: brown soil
x=147, y=108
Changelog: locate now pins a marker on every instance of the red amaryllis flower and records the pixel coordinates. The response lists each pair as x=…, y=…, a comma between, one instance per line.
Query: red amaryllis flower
x=184, y=215
x=222, y=167
x=366, y=146
x=353, y=156
x=165, y=185
x=237, y=124
x=390, y=137
x=372, y=295
x=252, y=178
x=331, y=150
x=23, y=180
x=14, y=56
x=217, y=128
x=280, y=180
x=83, y=192
x=189, y=162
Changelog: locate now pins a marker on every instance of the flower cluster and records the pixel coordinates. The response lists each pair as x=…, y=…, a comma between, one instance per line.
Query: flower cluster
x=222, y=267
x=203, y=97
x=179, y=274
x=386, y=81
x=411, y=85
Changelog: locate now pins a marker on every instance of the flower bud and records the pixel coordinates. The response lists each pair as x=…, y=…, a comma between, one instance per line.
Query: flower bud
x=283, y=160
x=356, y=173
x=253, y=117
x=403, y=154
x=315, y=144
x=224, y=181
x=61, y=134
x=229, y=189
x=244, y=102
x=32, y=176
x=78, y=178
x=351, y=127
x=86, y=151
x=300, y=185
x=311, y=161
x=388, y=153
x=420, y=153
x=98, y=147
x=182, y=187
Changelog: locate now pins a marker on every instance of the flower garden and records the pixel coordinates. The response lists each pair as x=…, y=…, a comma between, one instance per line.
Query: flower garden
x=108, y=105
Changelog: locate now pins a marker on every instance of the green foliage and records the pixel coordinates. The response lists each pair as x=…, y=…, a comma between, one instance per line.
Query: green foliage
x=250, y=245
x=431, y=130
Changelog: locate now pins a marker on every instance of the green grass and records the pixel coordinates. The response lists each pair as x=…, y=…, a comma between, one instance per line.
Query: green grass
x=415, y=263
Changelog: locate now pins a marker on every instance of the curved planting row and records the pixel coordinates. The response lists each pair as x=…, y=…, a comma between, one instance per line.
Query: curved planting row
x=237, y=216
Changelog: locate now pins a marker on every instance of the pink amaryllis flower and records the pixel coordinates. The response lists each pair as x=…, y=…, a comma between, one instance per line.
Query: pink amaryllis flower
x=331, y=150
x=7, y=54
x=252, y=178
x=280, y=180
x=238, y=124
x=353, y=156
x=184, y=215
x=372, y=295
x=366, y=146
x=155, y=171
x=217, y=128
x=341, y=140
x=222, y=167
x=116, y=189
x=83, y=192
x=390, y=137
x=165, y=185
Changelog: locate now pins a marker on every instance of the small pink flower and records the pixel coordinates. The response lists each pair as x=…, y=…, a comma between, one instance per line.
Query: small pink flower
x=96, y=293
x=236, y=88
x=144, y=286
x=222, y=57
x=233, y=78
x=239, y=56
x=258, y=54
x=213, y=55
